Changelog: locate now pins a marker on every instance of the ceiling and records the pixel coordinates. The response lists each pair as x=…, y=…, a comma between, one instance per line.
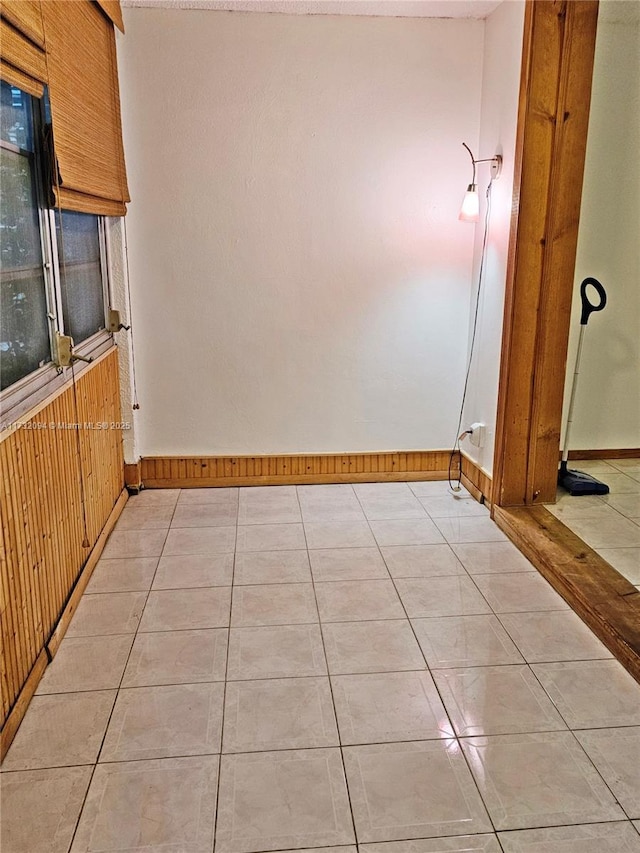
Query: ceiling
x=387, y=8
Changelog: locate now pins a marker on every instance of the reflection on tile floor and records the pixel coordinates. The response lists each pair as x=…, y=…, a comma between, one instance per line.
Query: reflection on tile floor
x=320, y=667
x=610, y=524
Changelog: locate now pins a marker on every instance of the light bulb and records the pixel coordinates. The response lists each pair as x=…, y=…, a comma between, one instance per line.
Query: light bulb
x=470, y=210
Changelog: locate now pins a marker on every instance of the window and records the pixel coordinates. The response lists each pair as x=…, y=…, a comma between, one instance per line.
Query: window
x=53, y=268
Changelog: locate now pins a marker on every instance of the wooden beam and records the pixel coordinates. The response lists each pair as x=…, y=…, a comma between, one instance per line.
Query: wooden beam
x=12, y=723
x=555, y=90
x=601, y=596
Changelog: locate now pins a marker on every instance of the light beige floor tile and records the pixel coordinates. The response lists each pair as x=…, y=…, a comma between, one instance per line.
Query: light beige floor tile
x=587, y=838
x=419, y=531
x=87, y=663
x=624, y=560
x=134, y=543
x=61, y=730
x=286, y=713
x=592, y=694
x=568, y=508
x=496, y=700
x=270, y=567
x=460, y=844
x=355, y=647
x=615, y=532
x=205, y=515
x=454, y=506
x=488, y=558
x=194, y=570
x=139, y=806
x=371, y=491
x=389, y=706
x=124, y=575
x=558, y=635
x=409, y=790
x=40, y=809
x=329, y=503
x=177, y=657
x=160, y=722
x=347, y=564
x=441, y=596
x=432, y=488
x=200, y=540
x=275, y=652
x=280, y=800
x=107, y=613
x=191, y=497
x=378, y=507
x=594, y=466
x=616, y=755
x=338, y=534
x=183, y=609
x=455, y=641
x=537, y=780
x=421, y=561
x=271, y=537
x=465, y=530
x=269, y=505
x=622, y=484
x=145, y=517
x=351, y=601
x=520, y=592
x=273, y=604
x=636, y=823
x=153, y=498
x=631, y=465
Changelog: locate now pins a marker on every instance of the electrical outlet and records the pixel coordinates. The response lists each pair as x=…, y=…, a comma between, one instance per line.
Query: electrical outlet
x=477, y=434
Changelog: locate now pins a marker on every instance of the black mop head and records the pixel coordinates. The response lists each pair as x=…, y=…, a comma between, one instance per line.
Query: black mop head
x=579, y=483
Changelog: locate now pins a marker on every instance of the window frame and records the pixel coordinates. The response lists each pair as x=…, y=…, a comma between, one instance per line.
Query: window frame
x=29, y=391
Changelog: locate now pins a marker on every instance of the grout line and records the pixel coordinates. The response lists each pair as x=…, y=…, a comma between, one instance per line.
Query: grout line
x=95, y=764
x=333, y=701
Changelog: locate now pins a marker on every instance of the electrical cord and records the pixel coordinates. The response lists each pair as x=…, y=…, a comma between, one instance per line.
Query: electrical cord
x=460, y=435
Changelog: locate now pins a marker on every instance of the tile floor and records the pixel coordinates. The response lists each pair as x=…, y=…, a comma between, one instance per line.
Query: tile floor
x=282, y=668
x=610, y=524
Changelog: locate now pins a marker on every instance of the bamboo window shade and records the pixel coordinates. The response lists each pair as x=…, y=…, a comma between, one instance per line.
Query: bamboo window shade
x=70, y=46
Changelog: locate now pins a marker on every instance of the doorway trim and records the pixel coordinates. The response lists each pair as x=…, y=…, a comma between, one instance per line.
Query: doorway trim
x=553, y=118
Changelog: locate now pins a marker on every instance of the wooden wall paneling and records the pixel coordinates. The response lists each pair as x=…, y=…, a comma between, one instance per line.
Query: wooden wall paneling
x=558, y=49
x=41, y=513
x=207, y=471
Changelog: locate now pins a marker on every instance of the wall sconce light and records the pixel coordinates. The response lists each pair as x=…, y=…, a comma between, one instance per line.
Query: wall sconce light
x=470, y=210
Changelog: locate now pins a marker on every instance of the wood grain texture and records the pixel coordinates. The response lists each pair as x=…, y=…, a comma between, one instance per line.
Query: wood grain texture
x=194, y=472
x=476, y=481
x=555, y=88
x=620, y=453
x=601, y=596
x=41, y=553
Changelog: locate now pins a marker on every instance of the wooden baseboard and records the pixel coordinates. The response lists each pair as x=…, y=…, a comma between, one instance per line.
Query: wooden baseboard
x=12, y=723
x=476, y=481
x=133, y=475
x=166, y=472
x=76, y=593
x=625, y=453
x=601, y=596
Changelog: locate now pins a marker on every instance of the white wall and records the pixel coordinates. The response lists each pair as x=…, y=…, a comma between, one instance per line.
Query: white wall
x=300, y=281
x=607, y=411
x=500, y=89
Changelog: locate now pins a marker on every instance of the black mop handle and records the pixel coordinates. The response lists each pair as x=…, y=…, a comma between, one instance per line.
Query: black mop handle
x=588, y=307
